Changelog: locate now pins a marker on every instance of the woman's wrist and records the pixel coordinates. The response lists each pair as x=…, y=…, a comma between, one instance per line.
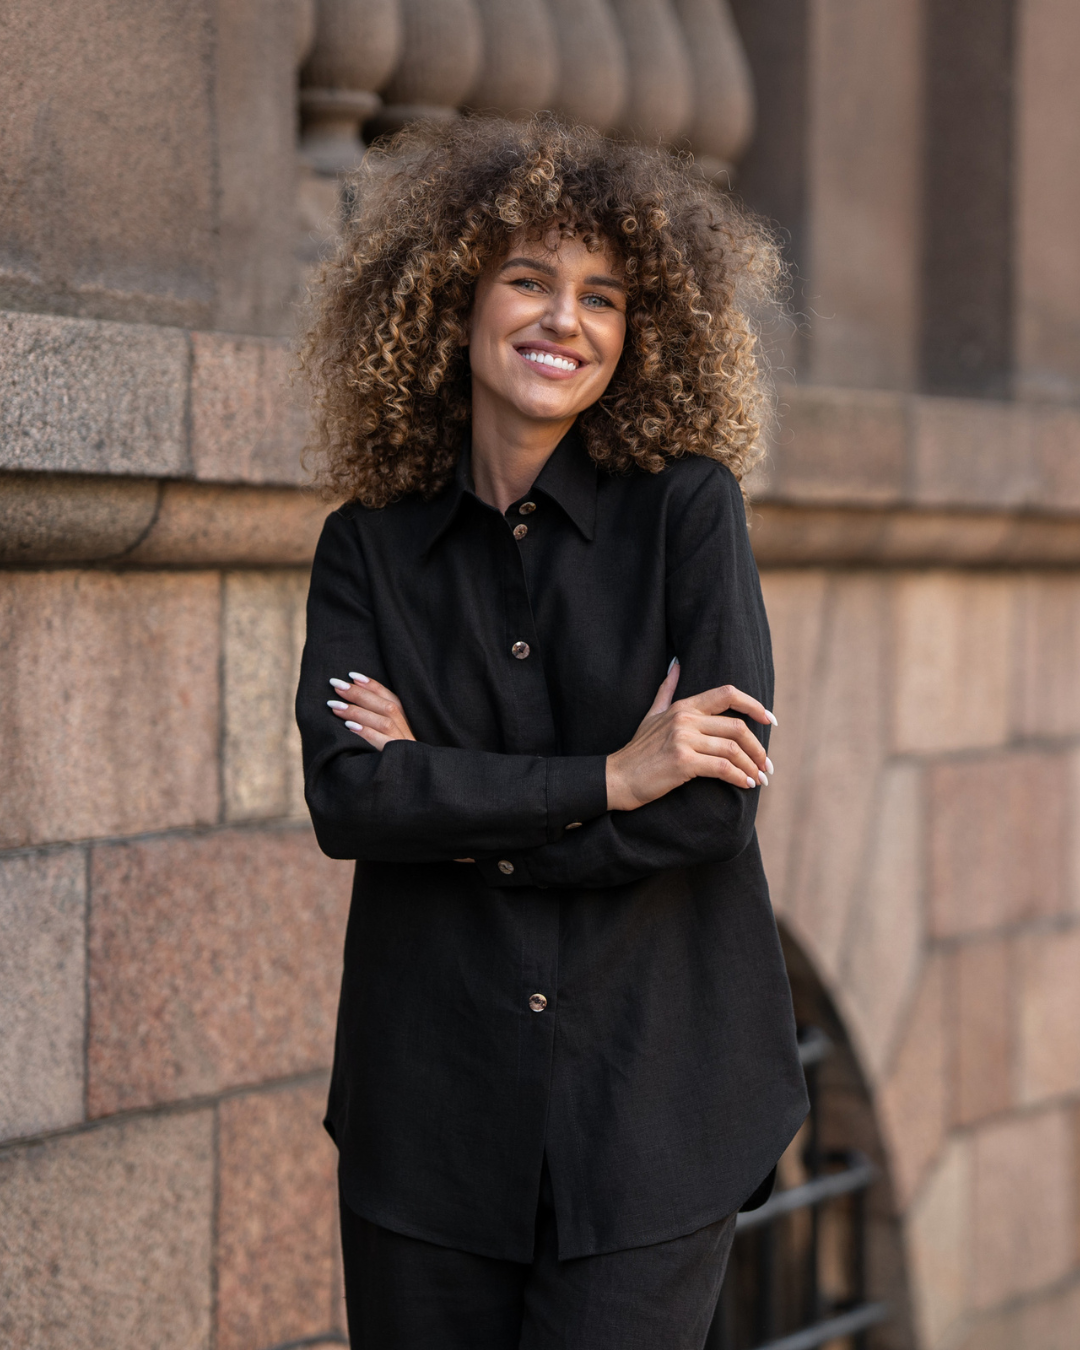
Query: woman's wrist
x=619, y=797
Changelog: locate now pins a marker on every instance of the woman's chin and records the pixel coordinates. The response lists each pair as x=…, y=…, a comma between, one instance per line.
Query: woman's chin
x=555, y=406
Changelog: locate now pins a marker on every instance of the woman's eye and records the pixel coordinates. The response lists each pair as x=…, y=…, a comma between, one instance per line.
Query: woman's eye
x=597, y=301
x=528, y=282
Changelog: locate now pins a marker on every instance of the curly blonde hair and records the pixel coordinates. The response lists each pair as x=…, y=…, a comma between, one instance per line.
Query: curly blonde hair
x=385, y=354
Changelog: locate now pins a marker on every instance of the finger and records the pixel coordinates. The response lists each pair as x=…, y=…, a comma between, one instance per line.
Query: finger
x=732, y=728
x=662, y=701
x=366, y=682
x=364, y=696
x=715, y=766
x=369, y=734
x=724, y=748
x=727, y=696
x=349, y=712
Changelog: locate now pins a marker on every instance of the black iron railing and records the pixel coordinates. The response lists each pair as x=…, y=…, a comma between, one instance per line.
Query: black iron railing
x=775, y=1278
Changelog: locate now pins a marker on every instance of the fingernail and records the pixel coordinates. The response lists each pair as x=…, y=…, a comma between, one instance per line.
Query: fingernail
x=341, y=684
x=750, y=782
x=336, y=703
x=768, y=764
x=354, y=726
x=772, y=719
x=763, y=780
x=355, y=675
x=672, y=663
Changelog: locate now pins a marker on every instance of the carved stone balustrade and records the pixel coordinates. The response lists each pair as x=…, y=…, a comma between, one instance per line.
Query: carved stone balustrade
x=357, y=44
x=659, y=71
x=439, y=64
x=723, y=112
x=519, y=70
x=660, y=102
x=593, y=80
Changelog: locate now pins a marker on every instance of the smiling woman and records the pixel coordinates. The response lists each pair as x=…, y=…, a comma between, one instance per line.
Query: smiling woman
x=546, y=333
x=441, y=213
x=566, y=1053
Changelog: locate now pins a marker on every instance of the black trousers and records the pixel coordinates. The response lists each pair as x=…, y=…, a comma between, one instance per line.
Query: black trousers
x=404, y=1294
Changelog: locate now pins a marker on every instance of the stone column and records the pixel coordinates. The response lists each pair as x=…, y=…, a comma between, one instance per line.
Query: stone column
x=660, y=102
x=723, y=115
x=357, y=43
x=519, y=70
x=439, y=63
x=593, y=81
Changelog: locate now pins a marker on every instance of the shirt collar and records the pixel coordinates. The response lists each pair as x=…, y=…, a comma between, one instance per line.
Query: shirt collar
x=569, y=478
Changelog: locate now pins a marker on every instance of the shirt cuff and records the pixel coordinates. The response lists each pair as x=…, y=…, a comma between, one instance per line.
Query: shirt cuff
x=576, y=791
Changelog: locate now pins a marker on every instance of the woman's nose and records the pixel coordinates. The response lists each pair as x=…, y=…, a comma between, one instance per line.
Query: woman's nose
x=562, y=315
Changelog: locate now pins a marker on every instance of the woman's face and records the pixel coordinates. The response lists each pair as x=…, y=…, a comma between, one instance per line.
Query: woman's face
x=547, y=329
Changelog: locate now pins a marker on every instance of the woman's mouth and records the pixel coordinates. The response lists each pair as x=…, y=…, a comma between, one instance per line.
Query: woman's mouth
x=549, y=362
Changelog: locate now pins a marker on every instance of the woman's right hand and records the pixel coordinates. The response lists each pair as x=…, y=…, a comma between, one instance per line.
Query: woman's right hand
x=689, y=739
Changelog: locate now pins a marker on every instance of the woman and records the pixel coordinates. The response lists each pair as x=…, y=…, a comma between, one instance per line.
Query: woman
x=565, y=1051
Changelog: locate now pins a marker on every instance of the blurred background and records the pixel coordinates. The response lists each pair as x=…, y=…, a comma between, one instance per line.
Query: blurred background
x=170, y=934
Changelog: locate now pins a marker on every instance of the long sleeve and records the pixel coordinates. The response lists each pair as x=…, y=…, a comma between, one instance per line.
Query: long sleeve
x=717, y=625
x=412, y=802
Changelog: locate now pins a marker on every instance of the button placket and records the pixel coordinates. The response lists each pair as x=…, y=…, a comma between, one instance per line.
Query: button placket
x=534, y=732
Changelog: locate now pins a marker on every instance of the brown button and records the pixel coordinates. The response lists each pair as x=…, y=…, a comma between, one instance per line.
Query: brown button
x=526, y=508
x=520, y=531
x=506, y=868
x=537, y=1002
x=574, y=825
x=520, y=650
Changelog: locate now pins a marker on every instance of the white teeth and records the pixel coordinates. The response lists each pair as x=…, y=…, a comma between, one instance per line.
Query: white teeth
x=546, y=359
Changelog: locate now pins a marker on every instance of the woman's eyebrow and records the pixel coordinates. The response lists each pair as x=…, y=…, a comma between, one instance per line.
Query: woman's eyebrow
x=613, y=283
x=534, y=263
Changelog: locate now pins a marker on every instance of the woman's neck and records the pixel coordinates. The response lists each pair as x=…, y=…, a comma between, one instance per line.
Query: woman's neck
x=508, y=454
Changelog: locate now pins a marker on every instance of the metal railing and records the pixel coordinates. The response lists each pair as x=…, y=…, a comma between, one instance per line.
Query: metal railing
x=754, y=1302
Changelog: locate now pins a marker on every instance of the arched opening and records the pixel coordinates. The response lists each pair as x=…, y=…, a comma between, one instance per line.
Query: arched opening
x=822, y=1264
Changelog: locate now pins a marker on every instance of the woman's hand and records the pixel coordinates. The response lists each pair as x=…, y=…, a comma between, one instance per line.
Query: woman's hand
x=370, y=710
x=688, y=739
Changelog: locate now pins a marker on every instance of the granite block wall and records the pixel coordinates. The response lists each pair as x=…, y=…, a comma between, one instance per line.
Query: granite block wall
x=920, y=835
x=169, y=970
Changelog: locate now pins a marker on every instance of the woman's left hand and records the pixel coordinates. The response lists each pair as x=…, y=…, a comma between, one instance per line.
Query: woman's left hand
x=370, y=710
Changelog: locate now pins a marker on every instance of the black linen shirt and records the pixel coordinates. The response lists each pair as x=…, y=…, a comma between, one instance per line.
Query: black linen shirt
x=657, y=1070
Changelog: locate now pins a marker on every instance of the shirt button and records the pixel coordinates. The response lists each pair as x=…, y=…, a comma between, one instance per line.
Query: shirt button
x=526, y=508
x=506, y=868
x=520, y=531
x=520, y=650
x=537, y=1002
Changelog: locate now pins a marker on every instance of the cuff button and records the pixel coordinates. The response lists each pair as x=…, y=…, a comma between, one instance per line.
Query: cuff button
x=506, y=867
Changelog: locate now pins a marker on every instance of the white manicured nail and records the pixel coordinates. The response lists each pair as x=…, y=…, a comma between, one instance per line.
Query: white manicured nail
x=354, y=726
x=672, y=664
x=336, y=703
x=355, y=675
x=341, y=684
x=750, y=782
x=768, y=764
x=772, y=719
x=763, y=780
